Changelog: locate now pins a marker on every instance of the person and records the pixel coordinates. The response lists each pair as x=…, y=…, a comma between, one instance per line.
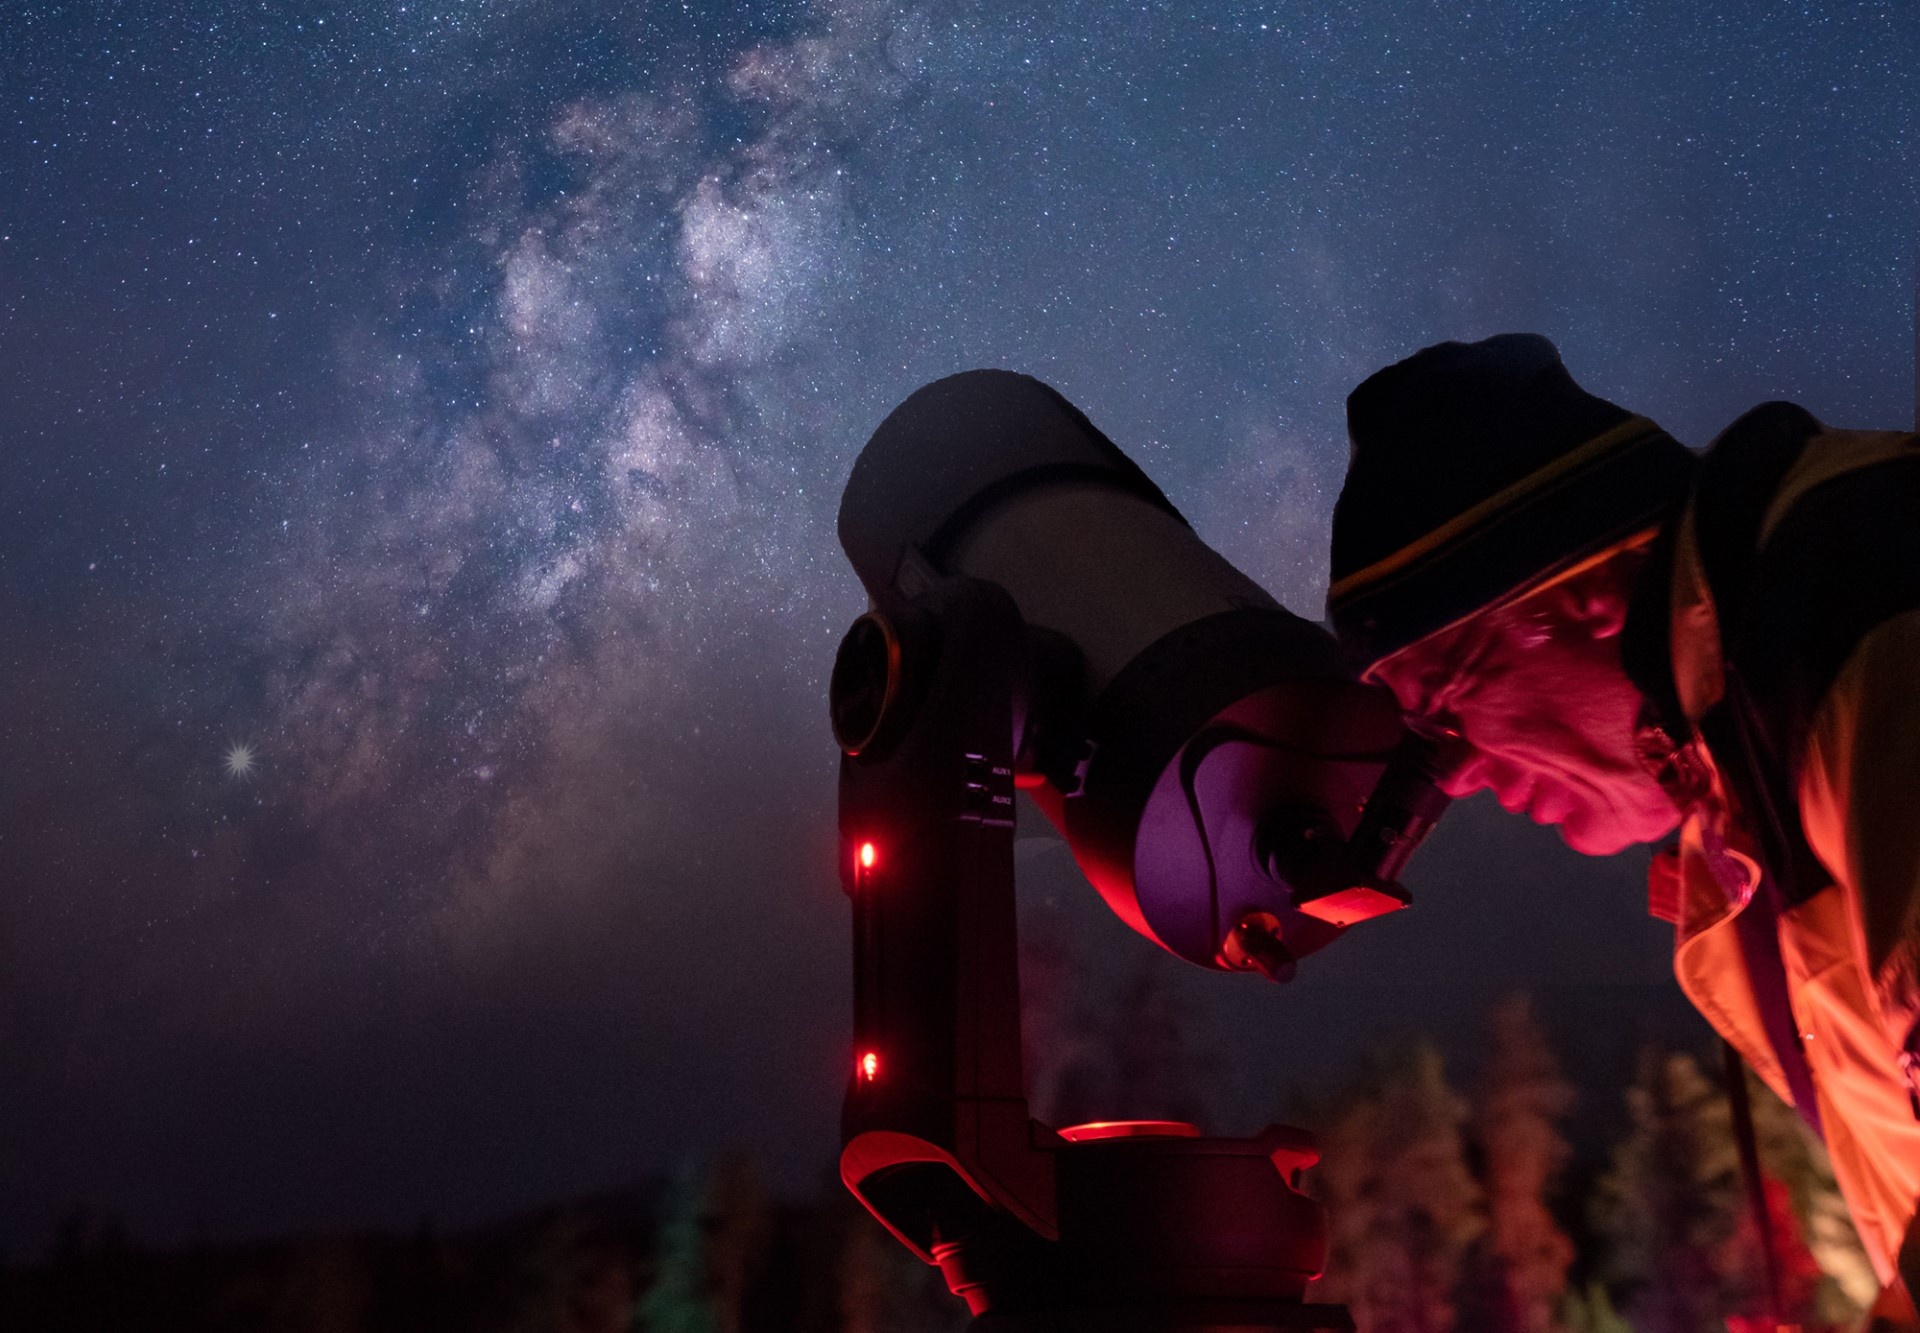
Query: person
x=1629, y=639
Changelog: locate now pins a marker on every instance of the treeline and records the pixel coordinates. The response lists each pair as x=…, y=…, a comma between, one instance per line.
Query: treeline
x=1457, y=1210
x=1463, y=1209
x=1452, y=1208
x=706, y=1250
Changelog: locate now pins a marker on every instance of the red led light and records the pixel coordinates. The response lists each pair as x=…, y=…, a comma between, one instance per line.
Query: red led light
x=866, y=856
x=870, y=1066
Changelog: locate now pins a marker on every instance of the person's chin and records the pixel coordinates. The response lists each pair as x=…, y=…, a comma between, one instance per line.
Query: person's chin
x=1597, y=833
x=1562, y=810
x=1595, y=842
x=1595, y=822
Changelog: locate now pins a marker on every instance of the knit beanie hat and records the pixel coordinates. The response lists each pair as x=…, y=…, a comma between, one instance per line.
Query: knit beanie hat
x=1478, y=472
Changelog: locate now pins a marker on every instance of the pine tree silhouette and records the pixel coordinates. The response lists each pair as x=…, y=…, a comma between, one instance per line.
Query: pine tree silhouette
x=739, y=1232
x=678, y=1301
x=1402, y=1205
x=1517, y=1109
x=1683, y=1249
x=1590, y=1310
x=1828, y=1280
x=714, y=1232
x=1670, y=1206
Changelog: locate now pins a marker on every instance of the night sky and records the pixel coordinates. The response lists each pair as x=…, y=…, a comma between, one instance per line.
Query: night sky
x=421, y=426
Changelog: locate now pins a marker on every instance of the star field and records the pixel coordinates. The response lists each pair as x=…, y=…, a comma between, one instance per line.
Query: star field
x=445, y=406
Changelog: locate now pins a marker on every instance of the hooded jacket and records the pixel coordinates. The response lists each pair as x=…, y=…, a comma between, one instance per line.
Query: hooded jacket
x=1776, y=634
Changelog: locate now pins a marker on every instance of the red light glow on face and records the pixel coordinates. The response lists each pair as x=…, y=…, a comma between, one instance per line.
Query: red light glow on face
x=866, y=856
x=870, y=1066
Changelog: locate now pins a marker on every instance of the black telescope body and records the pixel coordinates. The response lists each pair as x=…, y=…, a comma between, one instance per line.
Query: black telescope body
x=1044, y=618
x=1203, y=750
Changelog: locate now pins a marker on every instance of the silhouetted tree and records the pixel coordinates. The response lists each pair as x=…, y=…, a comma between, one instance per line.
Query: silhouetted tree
x=680, y=1299
x=1828, y=1279
x=1402, y=1205
x=1682, y=1245
x=739, y=1221
x=1590, y=1310
x=1517, y=1109
x=1670, y=1204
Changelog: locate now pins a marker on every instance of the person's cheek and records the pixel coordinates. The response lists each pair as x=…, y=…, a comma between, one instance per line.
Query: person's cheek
x=1595, y=833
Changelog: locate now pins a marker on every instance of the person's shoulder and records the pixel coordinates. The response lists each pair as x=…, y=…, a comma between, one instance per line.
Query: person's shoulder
x=1744, y=469
x=1779, y=491
x=1844, y=502
x=1831, y=530
x=1768, y=427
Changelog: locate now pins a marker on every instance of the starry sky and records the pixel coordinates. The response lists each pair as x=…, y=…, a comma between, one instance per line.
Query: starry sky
x=421, y=426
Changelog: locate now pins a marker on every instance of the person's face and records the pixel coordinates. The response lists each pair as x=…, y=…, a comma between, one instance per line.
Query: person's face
x=1537, y=692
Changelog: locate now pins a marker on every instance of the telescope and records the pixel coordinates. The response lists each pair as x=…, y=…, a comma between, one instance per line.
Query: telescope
x=1043, y=619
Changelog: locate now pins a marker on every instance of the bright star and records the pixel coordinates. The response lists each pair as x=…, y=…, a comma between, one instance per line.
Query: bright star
x=241, y=760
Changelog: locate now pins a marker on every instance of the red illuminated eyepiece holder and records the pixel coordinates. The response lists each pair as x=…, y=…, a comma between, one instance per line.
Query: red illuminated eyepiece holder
x=1124, y=1227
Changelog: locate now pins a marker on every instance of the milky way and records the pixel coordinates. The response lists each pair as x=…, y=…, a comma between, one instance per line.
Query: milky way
x=449, y=404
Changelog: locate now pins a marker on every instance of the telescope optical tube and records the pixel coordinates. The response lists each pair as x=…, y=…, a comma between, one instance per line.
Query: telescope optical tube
x=1196, y=710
